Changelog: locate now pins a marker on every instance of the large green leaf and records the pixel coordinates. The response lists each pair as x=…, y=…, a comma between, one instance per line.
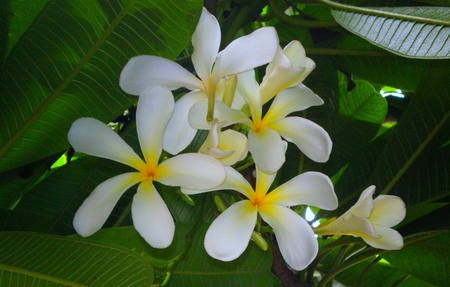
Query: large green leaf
x=425, y=120
x=29, y=259
x=66, y=65
x=426, y=259
x=16, y=182
x=358, y=57
x=20, y=15
x=380, y=275
x=360, y=114
x=416, y=32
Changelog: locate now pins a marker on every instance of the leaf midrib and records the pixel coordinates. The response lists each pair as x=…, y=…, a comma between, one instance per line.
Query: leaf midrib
x=58, y=91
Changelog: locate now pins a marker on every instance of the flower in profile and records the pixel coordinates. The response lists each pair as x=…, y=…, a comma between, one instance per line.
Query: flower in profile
x=371, y=219
x=266, y=132
x=244, y=53
x=289, y=68
x=229, y=234
x=228, y=146
x=151, y=217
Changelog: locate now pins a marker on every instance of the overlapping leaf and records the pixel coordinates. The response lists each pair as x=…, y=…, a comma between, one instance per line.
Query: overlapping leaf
x=67, y=65
x=29, y=259
x=426, y=259
x=416, y=32
x=425, y=118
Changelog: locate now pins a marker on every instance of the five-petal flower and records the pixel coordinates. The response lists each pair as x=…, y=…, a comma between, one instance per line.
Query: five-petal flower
x=151, y=217
x=370, y=219
x=264, y=136
x=244, y=53
x=228, y=236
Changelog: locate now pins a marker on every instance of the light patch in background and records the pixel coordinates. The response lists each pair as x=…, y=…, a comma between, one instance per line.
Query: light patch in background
x=387, y=91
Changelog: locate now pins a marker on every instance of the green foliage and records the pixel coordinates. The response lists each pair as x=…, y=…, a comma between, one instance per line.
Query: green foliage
x=30, y=259
x=61, y=60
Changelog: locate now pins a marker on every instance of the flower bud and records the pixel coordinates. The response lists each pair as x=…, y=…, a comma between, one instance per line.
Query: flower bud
x=221, y=206
x=259, y=240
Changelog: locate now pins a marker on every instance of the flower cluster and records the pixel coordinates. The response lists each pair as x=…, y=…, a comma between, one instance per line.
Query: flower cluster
x=224, y=94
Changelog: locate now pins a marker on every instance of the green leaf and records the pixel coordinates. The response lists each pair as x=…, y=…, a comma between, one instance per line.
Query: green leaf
x=415, y=32
x=17, y=182
x=29, y=259
x=358, y=57
x=67, y=66
x=21, y=14
x=128, y=237
x=426, y=259
x=417, y=211
x=425, y=120
x=50, y=206
x=361, y=109
x=252, y=268
x=380, y=275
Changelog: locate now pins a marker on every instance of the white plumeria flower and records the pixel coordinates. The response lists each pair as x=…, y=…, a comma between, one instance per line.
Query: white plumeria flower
x=228, y=146
x=151, y=217
x=288, y=69
x=229, y=235
x=244, y=53
x=264, y=137
x=371, y=220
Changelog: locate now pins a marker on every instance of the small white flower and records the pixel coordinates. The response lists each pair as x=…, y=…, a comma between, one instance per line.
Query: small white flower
x=371, y=219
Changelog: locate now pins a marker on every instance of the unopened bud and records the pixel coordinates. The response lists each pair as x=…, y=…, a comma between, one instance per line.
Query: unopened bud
x=259, y=240
x=221, y=206
x=186, y=198
x=230, y=90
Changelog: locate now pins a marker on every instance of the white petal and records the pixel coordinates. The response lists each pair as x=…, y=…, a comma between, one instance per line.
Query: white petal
x=291, y=100
x=154, y=110
x=390, y=238
x=349, y=224
x=91, y=136
x=294, y=51
x=280, y=59
x=388, y=210
x=206, y=42
x=247, y=52
x=248, y=88
x=309, y=188
x=282, y=78
x=143, y=72
x=191, y=170
x=179, y=133
x=296, y=240
x=151, y=217
x=229, y=235
x=364, y=206
x=264, y=180
x=267, y=149
x=222, y=112
x=234, y=181
x=96, y=209
x=231, y=140
x=308, y=136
